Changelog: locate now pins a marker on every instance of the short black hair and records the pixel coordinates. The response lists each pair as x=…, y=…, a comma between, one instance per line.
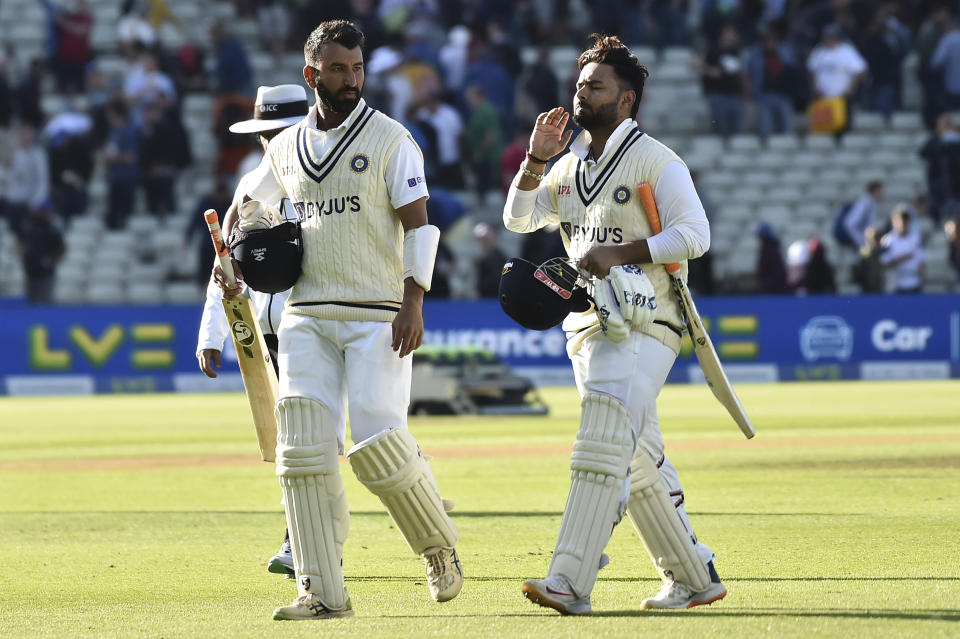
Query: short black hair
x=343, y=32
x=626, y=66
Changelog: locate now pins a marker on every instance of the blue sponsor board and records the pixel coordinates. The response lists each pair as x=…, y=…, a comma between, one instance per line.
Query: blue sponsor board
x=145, y=348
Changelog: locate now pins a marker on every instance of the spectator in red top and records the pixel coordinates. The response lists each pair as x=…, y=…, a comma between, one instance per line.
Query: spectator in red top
x=73, y=29
x=513, y=156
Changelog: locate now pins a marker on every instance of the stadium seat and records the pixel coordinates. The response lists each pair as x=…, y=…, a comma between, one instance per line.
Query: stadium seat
x=783, y=142
x=906, y=121
x=859, y=141
x=762, y=179
x=799, y=177
x=69, y=292
x=744, y=142
x=738, y=162
x=141, y=292
x=808, y=159
x=674, y=71
x=903, y=142
x=820, y=142
x=749, y=196
x=183, y=293
x=849, y=159
x=868, y=121
x=773, y=159
x=105, y=293
x=784, y=194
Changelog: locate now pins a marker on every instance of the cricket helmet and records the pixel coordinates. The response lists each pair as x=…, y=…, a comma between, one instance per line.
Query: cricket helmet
x=540, y=297
x=269, y=258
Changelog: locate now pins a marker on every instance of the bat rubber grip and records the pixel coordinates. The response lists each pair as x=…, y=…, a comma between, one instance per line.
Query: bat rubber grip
x=645, y=193
x=216, y=236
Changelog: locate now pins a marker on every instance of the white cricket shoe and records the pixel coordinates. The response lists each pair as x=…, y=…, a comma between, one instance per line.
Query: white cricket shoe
x=557, y=593
x=309, y=606
x=444, y=574
x=675, y=595
x=282, y=562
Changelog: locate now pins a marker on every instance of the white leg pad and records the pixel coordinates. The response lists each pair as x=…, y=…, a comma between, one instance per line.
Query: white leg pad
x=391, y=466
x=655, y=518
x=599, y=464
x=317, y=514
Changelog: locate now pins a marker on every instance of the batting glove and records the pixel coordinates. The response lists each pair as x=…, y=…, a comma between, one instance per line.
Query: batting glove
x=635, y=295
x=609, y=312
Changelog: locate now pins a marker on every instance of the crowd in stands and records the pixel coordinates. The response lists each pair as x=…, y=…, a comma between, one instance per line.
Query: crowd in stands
x=452, y=72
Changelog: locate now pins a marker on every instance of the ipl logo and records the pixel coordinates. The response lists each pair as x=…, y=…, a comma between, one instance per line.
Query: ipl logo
x=244, y=334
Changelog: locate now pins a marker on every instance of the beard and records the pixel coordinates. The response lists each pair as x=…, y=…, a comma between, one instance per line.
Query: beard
x=604, y=115
x=335, y=102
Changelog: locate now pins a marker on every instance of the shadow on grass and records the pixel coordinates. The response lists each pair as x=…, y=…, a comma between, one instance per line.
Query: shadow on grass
x=786, y=613
x=479, y=514
x=834, y=613
x=655, y=580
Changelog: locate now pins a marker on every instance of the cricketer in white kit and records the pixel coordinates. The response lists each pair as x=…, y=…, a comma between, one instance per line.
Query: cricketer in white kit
x=275, y=108
x=618, y=464
x=355, y=178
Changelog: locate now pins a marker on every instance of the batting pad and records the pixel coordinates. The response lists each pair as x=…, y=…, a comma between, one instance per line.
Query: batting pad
x=655, y=519
x=601, y=457
x=391, y=466
x=317, y=515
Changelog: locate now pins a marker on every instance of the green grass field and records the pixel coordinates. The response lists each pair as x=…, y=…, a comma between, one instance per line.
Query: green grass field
x=151, y=516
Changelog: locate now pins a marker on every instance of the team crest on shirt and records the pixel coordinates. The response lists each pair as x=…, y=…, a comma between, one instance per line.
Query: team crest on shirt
x=621, y=195
x=359, y=163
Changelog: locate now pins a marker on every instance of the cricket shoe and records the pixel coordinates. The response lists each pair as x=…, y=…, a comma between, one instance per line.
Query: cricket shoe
x=557, y=593
x=444, y=573
x=282, y=562
x=309, y=606
x=675, y=595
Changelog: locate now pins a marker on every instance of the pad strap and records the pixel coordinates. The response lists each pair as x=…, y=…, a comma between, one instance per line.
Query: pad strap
x=419, y=254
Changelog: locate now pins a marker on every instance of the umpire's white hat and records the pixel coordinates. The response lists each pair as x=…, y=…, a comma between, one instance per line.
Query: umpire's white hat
x=276, y=108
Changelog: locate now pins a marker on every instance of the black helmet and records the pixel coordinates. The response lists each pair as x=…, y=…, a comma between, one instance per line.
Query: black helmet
x=540, y=297
x=269, y=258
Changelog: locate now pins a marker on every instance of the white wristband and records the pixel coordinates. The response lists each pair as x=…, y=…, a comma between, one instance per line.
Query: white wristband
x=419, y=253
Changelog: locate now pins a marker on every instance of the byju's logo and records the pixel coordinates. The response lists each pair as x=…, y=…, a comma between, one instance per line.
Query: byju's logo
x=826, y=337
x=412, y=182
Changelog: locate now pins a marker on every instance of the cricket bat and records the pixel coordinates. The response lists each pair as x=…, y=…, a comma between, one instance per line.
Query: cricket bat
x=702, y=345
x=256, y=367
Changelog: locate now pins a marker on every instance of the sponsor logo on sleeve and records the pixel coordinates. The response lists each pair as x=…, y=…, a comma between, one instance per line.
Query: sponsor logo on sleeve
x=412, y=182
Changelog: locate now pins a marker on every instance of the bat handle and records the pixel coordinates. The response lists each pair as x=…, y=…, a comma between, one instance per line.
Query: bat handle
x=645, y=193
x=216, y=236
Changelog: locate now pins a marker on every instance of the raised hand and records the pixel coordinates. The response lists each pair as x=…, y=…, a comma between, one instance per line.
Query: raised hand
x=549, y=136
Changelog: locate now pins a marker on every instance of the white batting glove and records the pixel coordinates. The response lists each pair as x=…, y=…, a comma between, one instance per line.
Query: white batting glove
x=256, y=215
x=635, y=295
x=608, y=312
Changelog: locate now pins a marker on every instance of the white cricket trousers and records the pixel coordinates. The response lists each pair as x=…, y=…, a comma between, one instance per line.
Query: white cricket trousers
x=344, y=362
x=634, y=371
